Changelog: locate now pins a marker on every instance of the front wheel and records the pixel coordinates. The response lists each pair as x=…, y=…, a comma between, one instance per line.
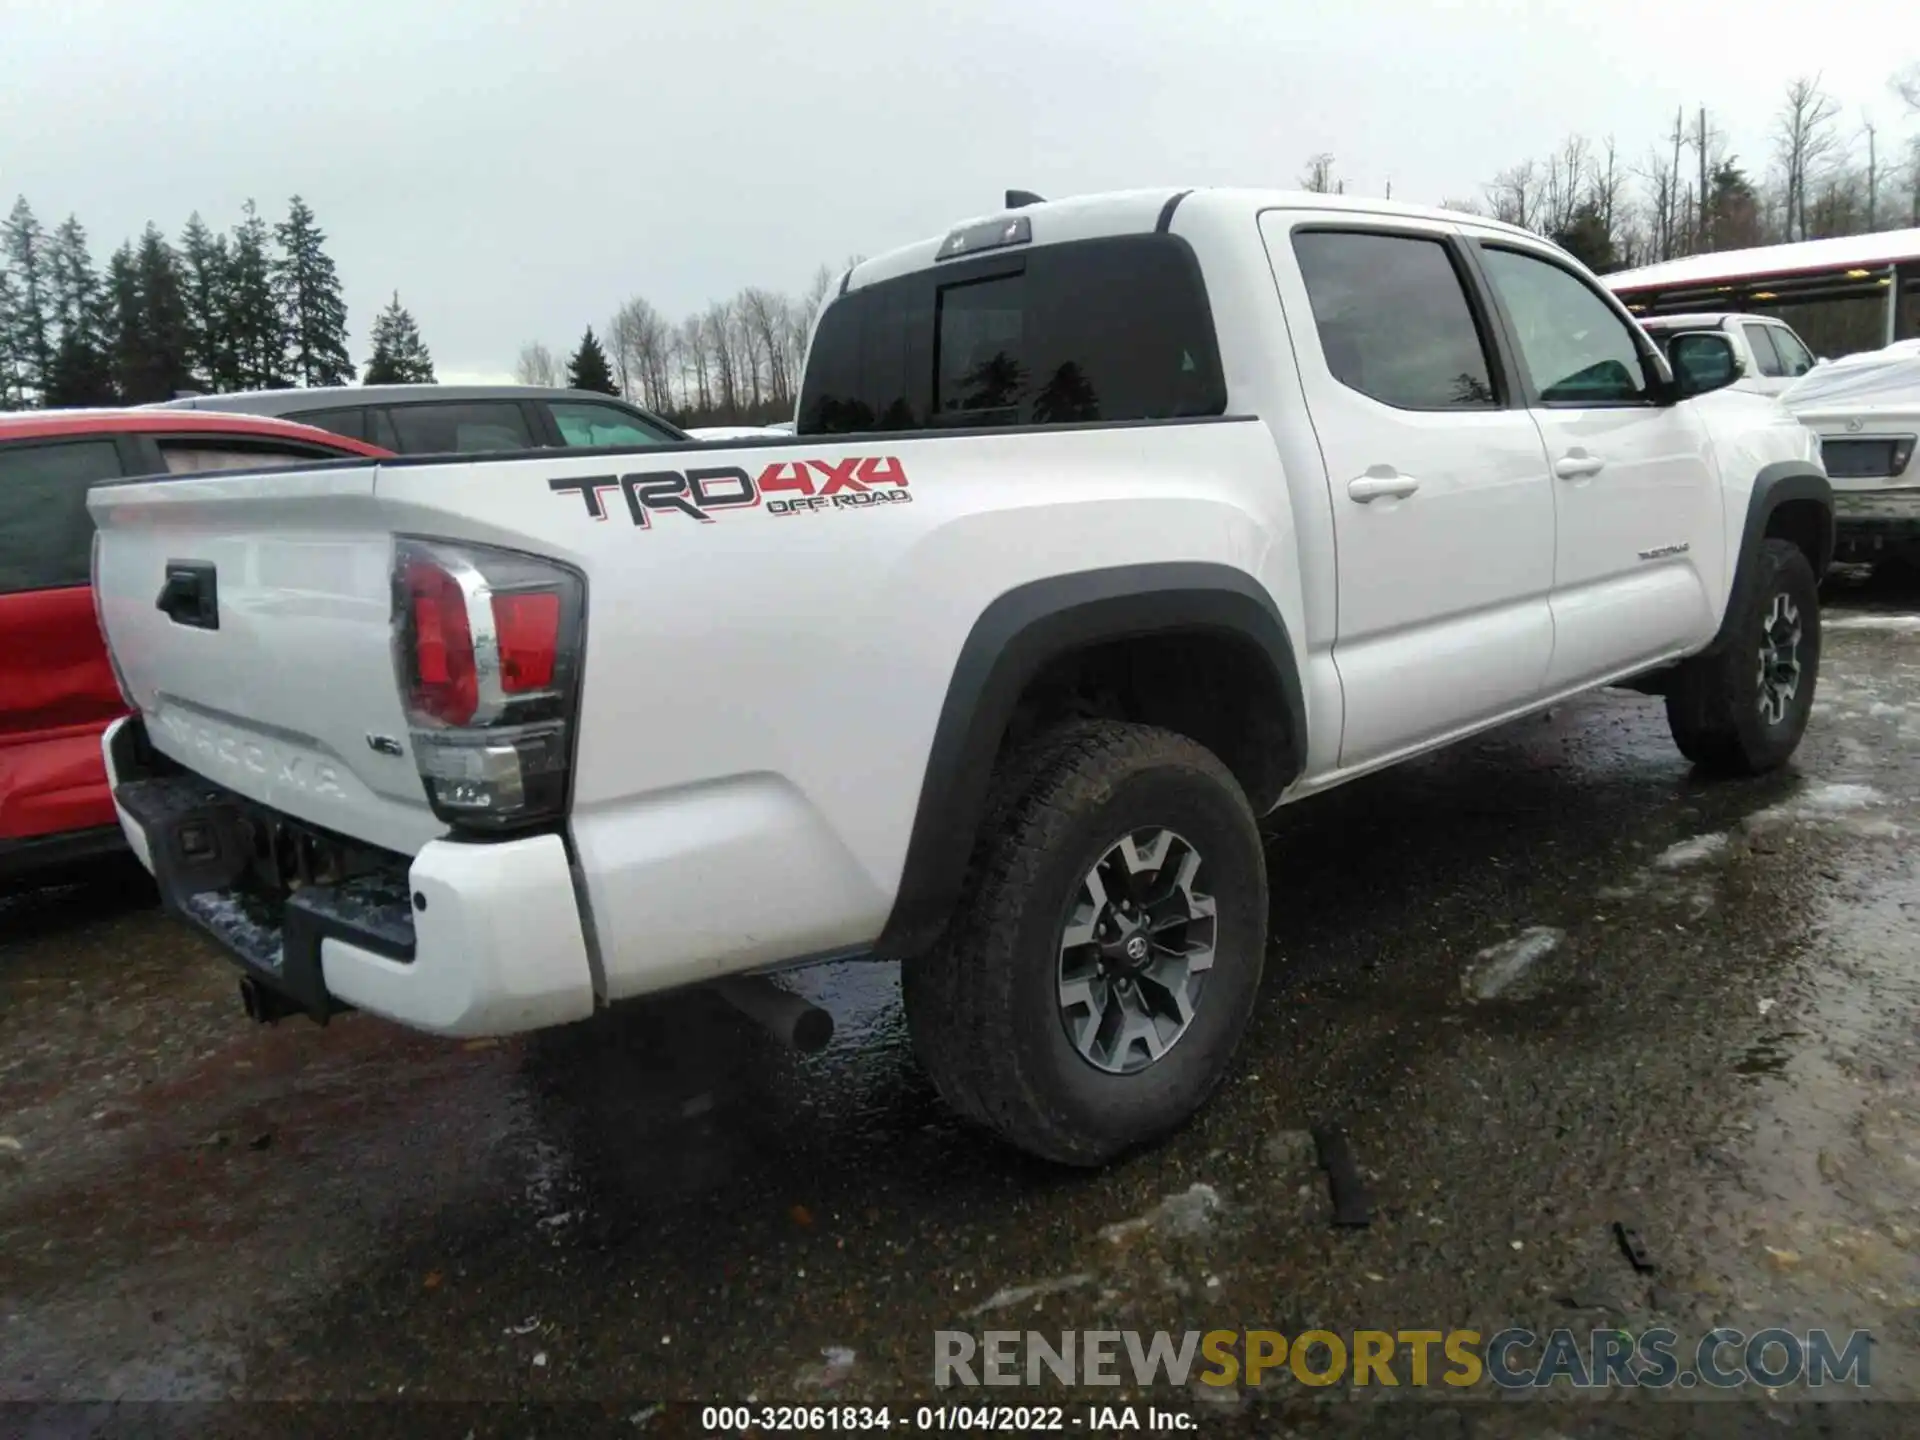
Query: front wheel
x=1095, y=981
x=1742, y=709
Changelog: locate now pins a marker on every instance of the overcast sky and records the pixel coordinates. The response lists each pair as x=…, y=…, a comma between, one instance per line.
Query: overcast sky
x=516, y=169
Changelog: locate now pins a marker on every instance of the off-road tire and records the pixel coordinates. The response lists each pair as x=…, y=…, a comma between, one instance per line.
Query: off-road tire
x=983, y=1005
x=1714, y=700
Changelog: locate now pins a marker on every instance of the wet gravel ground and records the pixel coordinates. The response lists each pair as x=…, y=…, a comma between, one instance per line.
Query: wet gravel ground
x=1547, y=982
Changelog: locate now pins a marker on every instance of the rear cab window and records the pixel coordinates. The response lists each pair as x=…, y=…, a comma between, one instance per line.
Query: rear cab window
x=46, y=535
x=1083, y=331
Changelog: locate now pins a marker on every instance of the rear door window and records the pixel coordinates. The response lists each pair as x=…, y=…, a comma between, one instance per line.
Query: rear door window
x=1795, y=358
x=197, y=453
x=46, y=535
x=581, y=422
x=351, y=422
x=1760, y=340
x=463, y=427
x=1092, y=330
x=1393, y=319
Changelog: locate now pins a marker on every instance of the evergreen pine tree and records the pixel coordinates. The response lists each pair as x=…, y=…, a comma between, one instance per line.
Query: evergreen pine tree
x=399, y=355
x=153, y=351
x=79, y=373
x=206, y=278
x=1586, y=238
x=254, y=327
x=30, y=337
x=311, y=308
x=125, y=323
x=588, y=369
x=10, y=398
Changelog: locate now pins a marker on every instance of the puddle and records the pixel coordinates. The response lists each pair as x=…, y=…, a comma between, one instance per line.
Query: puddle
x=1691, y=852
x=1898, y=624
x=1499, y=968
x=1768, y=1056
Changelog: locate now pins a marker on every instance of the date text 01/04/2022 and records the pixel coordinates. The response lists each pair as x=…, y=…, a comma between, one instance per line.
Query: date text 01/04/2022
x=1007, y=1419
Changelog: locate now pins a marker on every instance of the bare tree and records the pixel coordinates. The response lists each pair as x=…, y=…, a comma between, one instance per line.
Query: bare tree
x=1913, y=180
x=694, y=364
x=749, y=360
x=716, y=331
x=1563, y=188
x=1705, y=143
x=1906, y=85
x=1514, y=195
x=1804, y=142
x=1605, y=186
x=536, y=366
x=764, y=314
x=801, y=316
x=1662, y=203
x=637, y=340
x=1873, y=173
x=1319, y=177
x=622, y=338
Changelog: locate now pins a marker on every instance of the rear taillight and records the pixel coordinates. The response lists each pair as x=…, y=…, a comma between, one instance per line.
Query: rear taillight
x=1902, y=453
x=487, y=648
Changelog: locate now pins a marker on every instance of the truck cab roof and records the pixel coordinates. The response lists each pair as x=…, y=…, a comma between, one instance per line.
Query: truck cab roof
x=1134, y=212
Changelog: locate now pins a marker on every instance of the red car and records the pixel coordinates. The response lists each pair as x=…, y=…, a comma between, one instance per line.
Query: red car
x=57, y=687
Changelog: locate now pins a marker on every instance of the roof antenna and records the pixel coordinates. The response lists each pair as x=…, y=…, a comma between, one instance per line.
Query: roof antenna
x=1020, y=199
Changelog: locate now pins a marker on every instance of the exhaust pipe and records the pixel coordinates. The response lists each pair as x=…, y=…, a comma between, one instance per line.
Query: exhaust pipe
x=793, y=1020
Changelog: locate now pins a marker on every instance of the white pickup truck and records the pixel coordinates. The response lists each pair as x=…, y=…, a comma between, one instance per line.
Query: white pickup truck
x=1110, y=526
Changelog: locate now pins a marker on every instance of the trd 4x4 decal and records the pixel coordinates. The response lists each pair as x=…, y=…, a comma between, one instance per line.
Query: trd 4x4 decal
x=786, y=487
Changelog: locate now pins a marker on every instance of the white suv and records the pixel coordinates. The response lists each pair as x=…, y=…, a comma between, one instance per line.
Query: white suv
x=1772, y=357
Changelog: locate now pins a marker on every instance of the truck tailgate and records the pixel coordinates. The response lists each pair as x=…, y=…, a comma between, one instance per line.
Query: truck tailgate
x=271, y=672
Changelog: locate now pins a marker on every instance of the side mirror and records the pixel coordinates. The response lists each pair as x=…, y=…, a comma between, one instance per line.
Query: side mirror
x=1703, y=361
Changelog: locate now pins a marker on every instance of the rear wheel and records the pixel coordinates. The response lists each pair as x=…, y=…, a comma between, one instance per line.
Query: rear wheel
x=1094, y=982
x=1742, y=709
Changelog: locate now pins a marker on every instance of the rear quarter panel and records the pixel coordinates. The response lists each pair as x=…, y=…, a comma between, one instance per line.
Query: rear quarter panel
x=762, y=686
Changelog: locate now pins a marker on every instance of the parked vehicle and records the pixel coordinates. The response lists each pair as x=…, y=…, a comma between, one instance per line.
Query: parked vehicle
x=1111, y=525
x=437, y=419
x=1771, y=356
x=57, y=690
x=1866, y=410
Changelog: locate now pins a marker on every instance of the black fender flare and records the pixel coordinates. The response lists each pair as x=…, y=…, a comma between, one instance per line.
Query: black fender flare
x=1015, y=637
x=1777, y=484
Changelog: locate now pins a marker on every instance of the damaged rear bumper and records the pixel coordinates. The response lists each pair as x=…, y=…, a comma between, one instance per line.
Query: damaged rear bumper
x=460, y=939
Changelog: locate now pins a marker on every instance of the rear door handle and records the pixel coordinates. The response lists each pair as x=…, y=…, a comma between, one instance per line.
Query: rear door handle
x=1578, y=466
x=191, y=595
x=1389, y=486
